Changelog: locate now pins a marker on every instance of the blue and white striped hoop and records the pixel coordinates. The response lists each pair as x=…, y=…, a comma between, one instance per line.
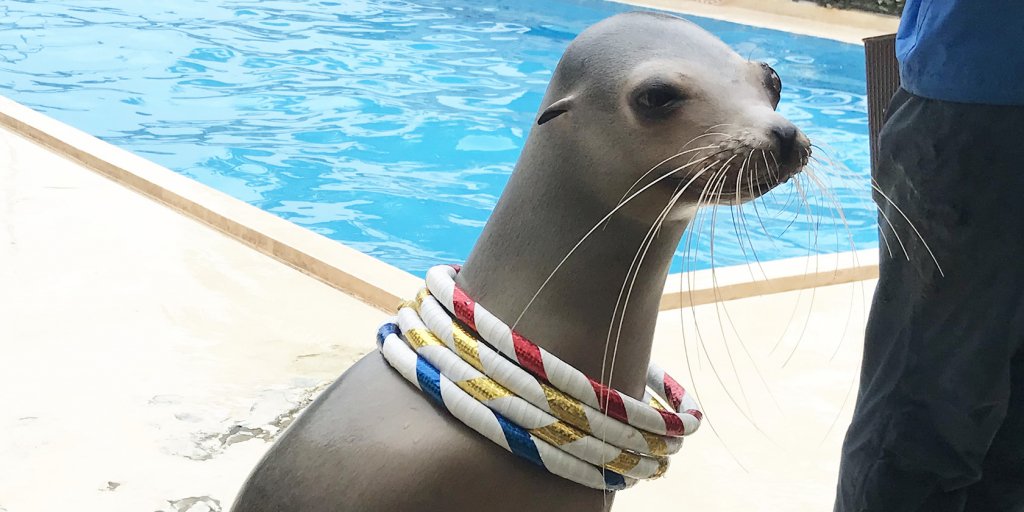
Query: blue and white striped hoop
x=594, y=436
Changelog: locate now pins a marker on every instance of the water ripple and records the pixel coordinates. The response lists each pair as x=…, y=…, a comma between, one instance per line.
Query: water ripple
x=391, y=126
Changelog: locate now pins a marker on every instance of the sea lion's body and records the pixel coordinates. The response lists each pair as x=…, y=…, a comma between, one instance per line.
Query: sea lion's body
x=629, y=93
x=371, y=442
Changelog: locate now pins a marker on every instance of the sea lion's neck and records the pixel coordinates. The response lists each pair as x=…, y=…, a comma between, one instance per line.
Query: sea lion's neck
x=532, y=228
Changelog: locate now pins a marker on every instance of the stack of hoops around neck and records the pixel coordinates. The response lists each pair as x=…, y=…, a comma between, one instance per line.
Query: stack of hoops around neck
x=528, y=401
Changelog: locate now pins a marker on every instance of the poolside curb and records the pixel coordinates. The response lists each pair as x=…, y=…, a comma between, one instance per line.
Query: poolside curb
x=768, y=277
x=798, y=17
x=365, y=277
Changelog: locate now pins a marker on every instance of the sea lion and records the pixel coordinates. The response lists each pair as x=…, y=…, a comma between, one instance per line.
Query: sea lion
x=642, y=106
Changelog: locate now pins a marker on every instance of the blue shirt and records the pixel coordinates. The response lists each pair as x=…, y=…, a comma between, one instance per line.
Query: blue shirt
x=966, y=51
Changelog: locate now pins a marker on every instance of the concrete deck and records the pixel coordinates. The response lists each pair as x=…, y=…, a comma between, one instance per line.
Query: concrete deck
x=149, y=360
x=145, y=355
x=771, y=438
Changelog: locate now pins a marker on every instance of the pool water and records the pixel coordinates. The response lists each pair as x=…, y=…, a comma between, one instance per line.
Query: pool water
x=392, y=126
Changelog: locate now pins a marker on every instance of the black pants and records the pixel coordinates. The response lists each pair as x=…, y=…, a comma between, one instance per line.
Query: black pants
x=939, y=422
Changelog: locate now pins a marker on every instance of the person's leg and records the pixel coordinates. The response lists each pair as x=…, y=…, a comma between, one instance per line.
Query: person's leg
x=935, y=378
x=1001, y=488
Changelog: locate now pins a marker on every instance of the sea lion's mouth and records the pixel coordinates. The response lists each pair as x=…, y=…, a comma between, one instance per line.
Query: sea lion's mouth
x=758, y=187
x=729, y=179
x=749, y=164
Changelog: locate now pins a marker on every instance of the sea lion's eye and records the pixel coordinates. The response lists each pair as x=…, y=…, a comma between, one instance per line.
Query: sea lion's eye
x=658, y=97
x=773, y=83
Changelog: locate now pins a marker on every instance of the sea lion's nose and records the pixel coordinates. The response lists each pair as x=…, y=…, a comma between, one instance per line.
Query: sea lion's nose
x=791, y=146
x=785, y=139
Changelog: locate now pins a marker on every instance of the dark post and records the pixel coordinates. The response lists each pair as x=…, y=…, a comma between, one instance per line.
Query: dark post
x=883, y=79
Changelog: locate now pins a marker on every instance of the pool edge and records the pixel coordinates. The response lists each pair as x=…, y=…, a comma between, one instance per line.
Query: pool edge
x=352, y=272
x=768, y=277
x=798, y=17
x=362, y=276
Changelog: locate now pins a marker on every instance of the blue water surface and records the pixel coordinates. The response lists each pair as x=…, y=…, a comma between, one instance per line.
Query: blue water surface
x=392, y=126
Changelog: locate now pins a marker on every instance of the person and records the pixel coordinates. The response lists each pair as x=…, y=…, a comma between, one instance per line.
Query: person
x=939, y=420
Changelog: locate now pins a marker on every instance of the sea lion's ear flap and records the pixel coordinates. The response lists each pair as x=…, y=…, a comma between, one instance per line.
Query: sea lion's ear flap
x=555, y=109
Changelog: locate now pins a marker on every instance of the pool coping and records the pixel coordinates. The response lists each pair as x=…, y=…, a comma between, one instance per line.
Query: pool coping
x=357, y=274
x=796, y=16
x=362, y=276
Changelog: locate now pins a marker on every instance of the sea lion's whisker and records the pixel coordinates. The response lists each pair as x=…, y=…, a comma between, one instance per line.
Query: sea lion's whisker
x=864, y=308
x=825, y=189
x=704, y=200
x=676, y=194
x=893, y=229
x=789, y=322
x=786, y=207
x=911, y=224
x=743, y=224
x=750, y=186
x=736, y=230
x=691, y=243
x=744, y=240
x=842, y=169
x=885, y=239
x=745, y=166
x=680, y=189
x=724, y=171
x=720, y=303
x=773, y=174
x=778, y=170
x=796, y=308
x=737, y=219
x=733, y=212
x=792, y=193
x=687, y=261
x=646, y=243
x=814, y=220
x=773, y=192
x=738, y=225
x=750, y=243
x=814, y=290
x=767, y=169
x=594, y=228
x=665, y=161
x=826, y=192
x=839, y=412
x=638, y=260
x=614, y=312
x=694, y=152
x=719, y=125
x=797, y=193
x=825, y=199
x=714, y=287
x=839, y=168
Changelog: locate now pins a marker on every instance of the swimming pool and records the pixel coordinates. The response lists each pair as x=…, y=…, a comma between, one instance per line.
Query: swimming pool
x=390, y=126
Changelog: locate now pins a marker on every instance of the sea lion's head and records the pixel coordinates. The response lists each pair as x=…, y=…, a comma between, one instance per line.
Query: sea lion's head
x=659, y=98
